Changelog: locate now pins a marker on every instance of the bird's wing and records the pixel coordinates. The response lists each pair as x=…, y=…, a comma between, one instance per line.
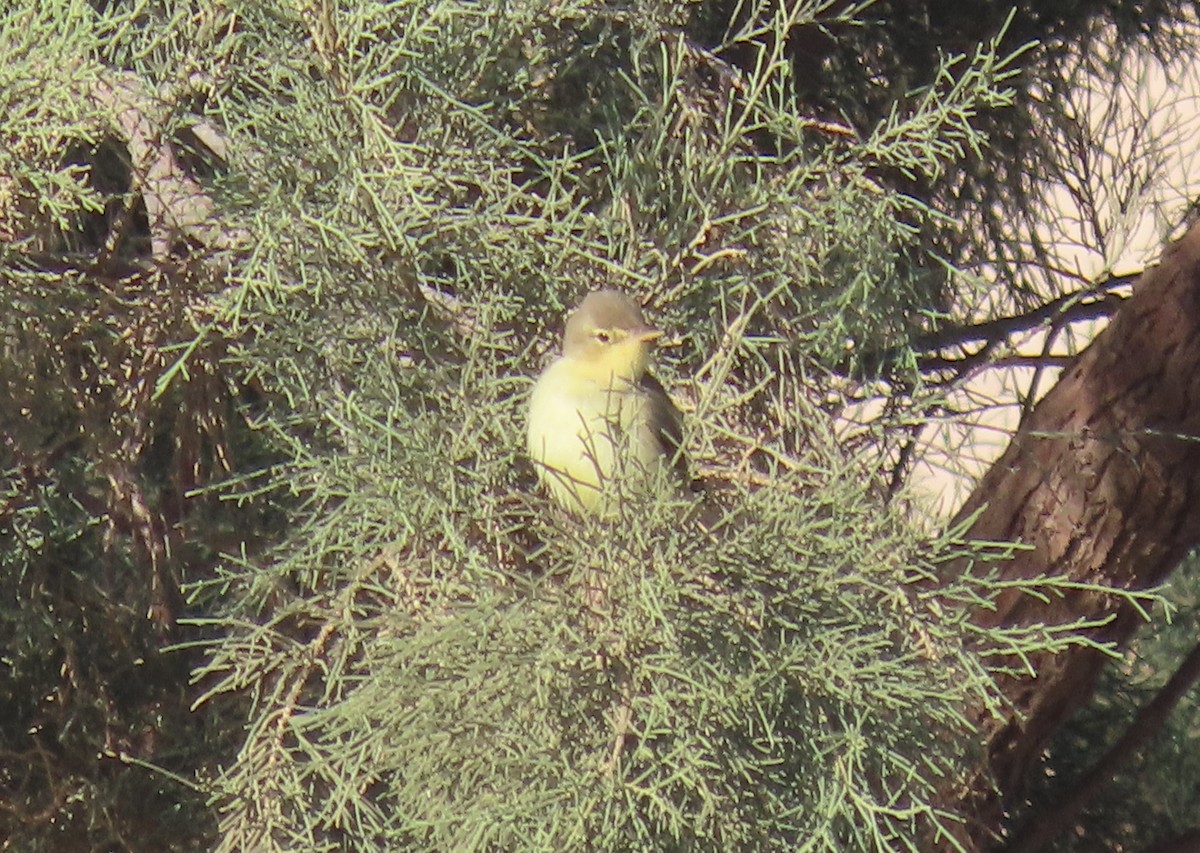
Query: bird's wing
x=666, y=423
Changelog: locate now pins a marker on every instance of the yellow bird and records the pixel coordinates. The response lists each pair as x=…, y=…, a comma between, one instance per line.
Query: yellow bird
x=596, y=413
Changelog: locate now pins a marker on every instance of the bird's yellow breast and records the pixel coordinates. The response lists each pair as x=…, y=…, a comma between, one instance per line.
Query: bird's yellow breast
x=583, y=418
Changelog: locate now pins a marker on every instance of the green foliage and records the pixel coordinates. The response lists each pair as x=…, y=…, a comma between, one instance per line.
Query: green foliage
x=91, y=566
x=645, y=683
x=42, y=112
x=346, y=239
x=438, y=659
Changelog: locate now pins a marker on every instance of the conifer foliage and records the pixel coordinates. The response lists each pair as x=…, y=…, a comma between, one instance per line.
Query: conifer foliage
x=277, y=278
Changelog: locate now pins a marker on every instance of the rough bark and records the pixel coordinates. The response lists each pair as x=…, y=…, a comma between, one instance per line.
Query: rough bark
x=1102, y=484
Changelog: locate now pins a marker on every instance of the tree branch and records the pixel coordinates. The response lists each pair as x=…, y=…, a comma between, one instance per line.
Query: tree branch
x=1097, y=302
x=1098, y=484
x=1100, y=300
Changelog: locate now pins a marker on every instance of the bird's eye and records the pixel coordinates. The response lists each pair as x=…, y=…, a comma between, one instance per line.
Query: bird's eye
x=603, y=336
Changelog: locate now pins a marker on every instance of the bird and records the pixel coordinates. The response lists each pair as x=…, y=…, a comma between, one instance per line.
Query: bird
x=596, y=412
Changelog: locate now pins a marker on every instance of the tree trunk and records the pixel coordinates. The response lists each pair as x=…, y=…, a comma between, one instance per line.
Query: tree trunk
x=1101, y=484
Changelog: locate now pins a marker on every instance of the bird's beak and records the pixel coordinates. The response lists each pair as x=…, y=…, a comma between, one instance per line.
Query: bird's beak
x=648, y=334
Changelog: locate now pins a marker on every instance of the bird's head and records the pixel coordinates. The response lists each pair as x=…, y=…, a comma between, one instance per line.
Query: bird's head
x=608, y=338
